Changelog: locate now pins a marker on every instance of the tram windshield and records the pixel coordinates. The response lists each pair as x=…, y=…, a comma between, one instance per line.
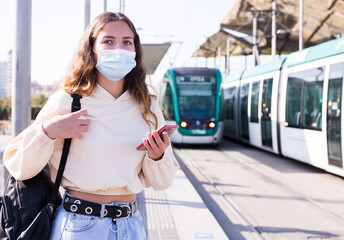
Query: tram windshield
x=197, y=96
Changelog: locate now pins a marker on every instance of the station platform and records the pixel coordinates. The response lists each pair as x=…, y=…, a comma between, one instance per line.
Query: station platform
x=175, y=213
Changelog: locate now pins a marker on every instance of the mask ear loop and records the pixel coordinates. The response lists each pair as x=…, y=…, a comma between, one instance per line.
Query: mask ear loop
x=97, y=54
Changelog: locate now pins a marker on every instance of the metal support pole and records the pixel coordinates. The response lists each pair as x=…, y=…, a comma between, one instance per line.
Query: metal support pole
x=196, y=55
x=21, y=70
x=254, y=40
x=301, y=26
x=273, y=30
x=227, y=55
x=254, y=37
x=87, y=13
x=121, y=6
x=219, y=56
x=105, y=5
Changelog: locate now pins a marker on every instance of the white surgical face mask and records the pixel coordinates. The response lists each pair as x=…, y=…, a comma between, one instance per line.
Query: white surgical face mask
x=115, y=64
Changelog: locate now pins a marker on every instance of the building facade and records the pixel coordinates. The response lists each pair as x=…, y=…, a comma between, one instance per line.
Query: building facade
x=3, y=78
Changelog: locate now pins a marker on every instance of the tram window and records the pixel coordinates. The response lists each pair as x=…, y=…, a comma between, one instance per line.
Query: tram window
x=167, y=103
x=335, y=90
x=293, y=104
x=196, y=96
x=254, y=102
x=266, y=97
x=312, y=98
x=243, y=112
x=229, y=103
x=334, y=106
x=304, y=99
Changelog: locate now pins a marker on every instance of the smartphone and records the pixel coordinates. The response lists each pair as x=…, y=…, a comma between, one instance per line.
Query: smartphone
x=166, y=128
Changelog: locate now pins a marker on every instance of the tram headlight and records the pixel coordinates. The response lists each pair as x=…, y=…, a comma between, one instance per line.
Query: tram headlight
x=211, y=124
x=183, y=124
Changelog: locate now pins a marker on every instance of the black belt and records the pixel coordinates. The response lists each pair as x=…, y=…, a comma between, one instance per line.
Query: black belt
x=76, y=205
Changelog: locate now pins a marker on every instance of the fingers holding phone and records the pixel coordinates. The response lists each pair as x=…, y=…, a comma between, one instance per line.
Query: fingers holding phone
x=157, y=141
x=156, y=144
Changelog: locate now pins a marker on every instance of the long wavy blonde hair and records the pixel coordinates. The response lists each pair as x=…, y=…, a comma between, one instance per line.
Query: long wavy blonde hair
x=82, y=76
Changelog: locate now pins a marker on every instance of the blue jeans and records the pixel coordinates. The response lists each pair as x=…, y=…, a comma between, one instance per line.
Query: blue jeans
x=72, y=226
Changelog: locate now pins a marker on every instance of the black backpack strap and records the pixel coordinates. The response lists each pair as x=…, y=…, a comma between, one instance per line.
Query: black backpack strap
x=76, y=106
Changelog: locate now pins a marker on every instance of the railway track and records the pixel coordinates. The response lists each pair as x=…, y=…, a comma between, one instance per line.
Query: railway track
x=226, y=200
x=255, y=226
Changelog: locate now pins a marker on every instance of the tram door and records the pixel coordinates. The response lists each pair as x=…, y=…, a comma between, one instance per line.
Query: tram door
x=266, y=113
x=334, y=115
x=244, y=112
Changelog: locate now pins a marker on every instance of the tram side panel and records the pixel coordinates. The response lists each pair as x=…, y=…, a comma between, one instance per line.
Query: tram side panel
x=268, y=106
x=243, y=113
x=261, y=110
x=302, y=120
x=335, y=117
x=169, y=111
x=253, y=110
x=311, y=96
x=274, y=110
x=230, y=109
x=306, y=103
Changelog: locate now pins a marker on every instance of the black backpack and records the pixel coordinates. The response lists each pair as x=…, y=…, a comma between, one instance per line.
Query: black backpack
x=27, y=207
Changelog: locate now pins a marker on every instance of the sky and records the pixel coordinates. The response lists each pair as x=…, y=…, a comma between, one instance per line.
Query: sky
x=57, y=26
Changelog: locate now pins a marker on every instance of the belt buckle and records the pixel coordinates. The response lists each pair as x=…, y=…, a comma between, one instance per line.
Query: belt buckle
x=133, y=207
x=120, y=212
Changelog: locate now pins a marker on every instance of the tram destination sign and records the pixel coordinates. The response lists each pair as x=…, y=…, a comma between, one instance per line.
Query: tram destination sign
x=195, y=78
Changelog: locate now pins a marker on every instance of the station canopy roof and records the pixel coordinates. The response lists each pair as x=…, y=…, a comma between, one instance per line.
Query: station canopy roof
x=323, y=21
x=153, y=54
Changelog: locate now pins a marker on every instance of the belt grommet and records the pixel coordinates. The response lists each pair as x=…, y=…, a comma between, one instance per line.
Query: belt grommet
x=73, y=208
x=119, y=213
x=105, y=212
x=88, y=210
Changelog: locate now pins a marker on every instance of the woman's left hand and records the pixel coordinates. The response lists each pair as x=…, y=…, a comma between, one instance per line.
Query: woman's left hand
x=156, y=145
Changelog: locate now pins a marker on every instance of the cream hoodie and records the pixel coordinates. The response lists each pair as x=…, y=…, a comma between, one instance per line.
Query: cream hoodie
x=105, y=161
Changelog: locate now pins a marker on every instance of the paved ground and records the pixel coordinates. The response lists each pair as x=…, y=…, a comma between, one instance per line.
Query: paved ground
x=255, y=194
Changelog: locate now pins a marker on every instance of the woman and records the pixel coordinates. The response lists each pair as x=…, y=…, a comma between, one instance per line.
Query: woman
x=104, y=170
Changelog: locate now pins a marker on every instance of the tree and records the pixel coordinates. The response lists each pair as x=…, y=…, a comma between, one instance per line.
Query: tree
x=39, y=100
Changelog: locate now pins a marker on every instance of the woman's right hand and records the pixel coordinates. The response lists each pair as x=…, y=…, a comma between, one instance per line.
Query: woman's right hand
x=67, y=125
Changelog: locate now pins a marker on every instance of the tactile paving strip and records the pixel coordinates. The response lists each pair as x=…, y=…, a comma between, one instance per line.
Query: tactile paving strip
x=156, y=215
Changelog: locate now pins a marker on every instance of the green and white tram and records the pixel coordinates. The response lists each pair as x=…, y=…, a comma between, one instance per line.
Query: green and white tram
x=292, y=106
x=191, y=99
